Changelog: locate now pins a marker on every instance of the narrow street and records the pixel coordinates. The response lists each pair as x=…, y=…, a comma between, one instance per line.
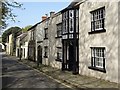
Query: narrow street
x=16, y=75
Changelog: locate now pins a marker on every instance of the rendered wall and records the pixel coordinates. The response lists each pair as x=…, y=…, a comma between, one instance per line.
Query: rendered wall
x=108, y=39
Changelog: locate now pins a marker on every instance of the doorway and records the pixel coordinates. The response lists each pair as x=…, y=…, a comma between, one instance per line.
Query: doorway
x=70, y=56
x=39, y=56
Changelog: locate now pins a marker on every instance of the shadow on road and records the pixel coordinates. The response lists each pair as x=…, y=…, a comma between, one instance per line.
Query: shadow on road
x=6, y=80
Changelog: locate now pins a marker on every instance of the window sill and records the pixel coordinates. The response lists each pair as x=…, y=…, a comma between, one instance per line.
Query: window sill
x=58, y=60
x=97, y=31
x=97, y=69
x=45, y=57
x=58, y=37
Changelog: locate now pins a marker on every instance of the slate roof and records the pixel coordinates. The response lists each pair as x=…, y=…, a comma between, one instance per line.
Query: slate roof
x=72, y=4
x=22, y=35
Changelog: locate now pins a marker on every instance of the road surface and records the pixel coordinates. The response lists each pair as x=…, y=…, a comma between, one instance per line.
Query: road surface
x=16, y=75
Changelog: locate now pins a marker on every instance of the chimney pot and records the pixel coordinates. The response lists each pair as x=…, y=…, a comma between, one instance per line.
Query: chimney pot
x=44, y=17
x=52, y=13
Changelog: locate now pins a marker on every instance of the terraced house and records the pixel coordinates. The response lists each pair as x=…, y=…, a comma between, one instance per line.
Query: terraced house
x=82, y=38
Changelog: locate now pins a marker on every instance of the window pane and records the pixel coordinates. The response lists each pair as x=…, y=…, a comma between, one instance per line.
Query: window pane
x=97, y=56
x=97, y=19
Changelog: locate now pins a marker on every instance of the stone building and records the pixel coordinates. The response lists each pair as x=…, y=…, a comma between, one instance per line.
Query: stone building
x=31, y=43
x=48, y=40
x=98, y=40
x=22, y=46
x=9, y=45
x=82, y=38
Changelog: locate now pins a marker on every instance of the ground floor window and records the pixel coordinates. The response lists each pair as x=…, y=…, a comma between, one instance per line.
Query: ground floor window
x=98, y=58
x=46, y=52
x=59, y=54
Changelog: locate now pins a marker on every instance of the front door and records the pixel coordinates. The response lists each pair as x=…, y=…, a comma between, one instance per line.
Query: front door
x=39, y=56
x=71, y=58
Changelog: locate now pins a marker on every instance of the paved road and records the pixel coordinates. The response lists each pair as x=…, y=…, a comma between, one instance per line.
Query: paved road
x=16, y=75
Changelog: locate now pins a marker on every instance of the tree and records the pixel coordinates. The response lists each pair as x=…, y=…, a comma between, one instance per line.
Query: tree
x=26, y=28
x=6, y=8
x=12, y=30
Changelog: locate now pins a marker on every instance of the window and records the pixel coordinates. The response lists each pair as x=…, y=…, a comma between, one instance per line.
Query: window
x=71, y=21
x=59, y=29
x=45, y=51
x=77, y=20
x=65, y=22
x=46, y=33
x=98, y=58
x=32, y=35
x=59, y=54
x=98, y=20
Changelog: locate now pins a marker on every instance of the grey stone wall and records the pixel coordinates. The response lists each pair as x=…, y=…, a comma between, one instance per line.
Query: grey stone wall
x=54, y=42
x=51, y=42
x=108, y=39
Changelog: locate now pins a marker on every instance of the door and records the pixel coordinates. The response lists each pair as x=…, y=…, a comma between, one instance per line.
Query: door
x=71, y=58
x=39, y=56
x=68, y=58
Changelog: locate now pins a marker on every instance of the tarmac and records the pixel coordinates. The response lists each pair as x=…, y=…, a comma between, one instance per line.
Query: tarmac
x=78, y=81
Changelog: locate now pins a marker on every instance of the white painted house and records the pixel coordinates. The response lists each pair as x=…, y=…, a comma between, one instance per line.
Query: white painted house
x=21, y=43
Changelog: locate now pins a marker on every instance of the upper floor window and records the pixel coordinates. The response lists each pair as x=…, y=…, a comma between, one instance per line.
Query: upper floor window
x=98, y=58
x=65, y=22
x=98, y=20
x=46, y=33
x=71, y=21
x=32, y=35
x=59, y=29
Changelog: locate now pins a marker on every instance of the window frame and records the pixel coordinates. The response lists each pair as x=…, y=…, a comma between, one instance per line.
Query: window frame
x=45, y=33
x=45, y=51
x=98, y=19
x=96, y=54
x=58, y=54
x=59, y=31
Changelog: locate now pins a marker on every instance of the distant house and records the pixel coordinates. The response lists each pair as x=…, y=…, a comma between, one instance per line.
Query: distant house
x=31, y=43
x=9, y=45
x=22, y=46
x=2, y=45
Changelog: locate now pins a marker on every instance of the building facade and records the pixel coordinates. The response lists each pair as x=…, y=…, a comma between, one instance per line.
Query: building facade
x=82, y=38
x=9, y=45
x=98, y=40
x=22, y=46
x=31, y=43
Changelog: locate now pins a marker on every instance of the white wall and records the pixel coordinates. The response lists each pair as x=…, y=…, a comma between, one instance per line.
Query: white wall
x=108, y=39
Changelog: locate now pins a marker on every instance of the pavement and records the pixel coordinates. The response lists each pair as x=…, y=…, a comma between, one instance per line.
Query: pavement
x=18, y=75
x=78, y=81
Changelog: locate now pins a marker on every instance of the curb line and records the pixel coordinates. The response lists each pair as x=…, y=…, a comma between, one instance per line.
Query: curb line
x=48, y=76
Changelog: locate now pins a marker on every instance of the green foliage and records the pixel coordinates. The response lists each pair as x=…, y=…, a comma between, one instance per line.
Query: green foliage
x=12, y=30
x=26, y=28
x=6, y=7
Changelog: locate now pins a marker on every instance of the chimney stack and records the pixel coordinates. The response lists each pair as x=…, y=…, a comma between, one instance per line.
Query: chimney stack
x=52, y=14
x=44, y=17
